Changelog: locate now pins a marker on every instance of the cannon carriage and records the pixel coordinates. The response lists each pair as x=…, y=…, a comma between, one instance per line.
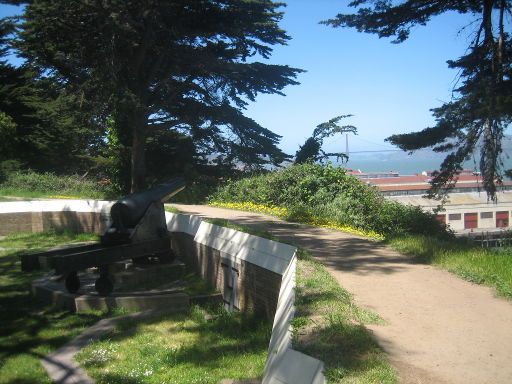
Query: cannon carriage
x=138, y=231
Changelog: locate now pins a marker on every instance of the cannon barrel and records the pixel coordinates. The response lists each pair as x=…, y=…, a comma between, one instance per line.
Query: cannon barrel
x=129, y=210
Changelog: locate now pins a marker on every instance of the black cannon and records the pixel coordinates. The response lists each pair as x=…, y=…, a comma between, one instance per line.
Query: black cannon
x=138, y=230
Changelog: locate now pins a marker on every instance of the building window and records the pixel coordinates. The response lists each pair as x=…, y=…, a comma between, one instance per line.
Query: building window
x=470, y=220
x=454, y=216
x=486, y=215
x=502, y=219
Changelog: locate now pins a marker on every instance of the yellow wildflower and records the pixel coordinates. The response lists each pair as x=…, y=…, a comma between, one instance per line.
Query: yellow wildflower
x=283, y=212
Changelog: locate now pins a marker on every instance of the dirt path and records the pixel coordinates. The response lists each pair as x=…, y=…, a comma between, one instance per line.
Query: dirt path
x=440, y=329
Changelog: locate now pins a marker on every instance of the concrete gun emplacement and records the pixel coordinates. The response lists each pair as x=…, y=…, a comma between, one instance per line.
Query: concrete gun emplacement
x=138, y=231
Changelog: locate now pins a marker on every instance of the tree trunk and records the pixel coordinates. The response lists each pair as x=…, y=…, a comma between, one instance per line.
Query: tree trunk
x=138, y=159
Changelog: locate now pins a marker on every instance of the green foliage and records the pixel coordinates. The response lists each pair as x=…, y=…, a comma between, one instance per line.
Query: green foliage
x=8, y=167
x=313, y=191
x=48, y=184
x=308, y=152
x=481, y=109
x=41, y=124
x=8, y=134
x=48, y=129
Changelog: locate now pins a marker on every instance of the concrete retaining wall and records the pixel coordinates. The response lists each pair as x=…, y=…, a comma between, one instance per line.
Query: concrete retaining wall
x=44, y=215
x=246, y=269
x=262, y=273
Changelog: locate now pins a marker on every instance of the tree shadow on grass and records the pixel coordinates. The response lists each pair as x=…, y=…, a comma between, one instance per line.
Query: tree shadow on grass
x=307, y=299
x=113, y=378
x=345, y=349
x=23, y=381
x=211, y=344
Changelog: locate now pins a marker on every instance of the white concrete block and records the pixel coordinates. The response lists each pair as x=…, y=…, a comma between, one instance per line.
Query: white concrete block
x=296, y=368
x=98, y=206
x=182, y=223
x=288, y=281
x=278, y=250
x=193, y=224
x=281, y=337
x=264, y=260
x=265, y=253
x=221, y=244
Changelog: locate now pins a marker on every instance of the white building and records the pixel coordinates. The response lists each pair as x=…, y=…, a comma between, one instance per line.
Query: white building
x=467, y=212
x=467, y=209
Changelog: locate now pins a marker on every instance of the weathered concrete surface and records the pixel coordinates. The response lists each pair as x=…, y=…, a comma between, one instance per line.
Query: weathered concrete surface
x=440, y=329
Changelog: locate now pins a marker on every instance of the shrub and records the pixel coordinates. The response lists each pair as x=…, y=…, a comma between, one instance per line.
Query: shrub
x=313, y=192
x=51, y=184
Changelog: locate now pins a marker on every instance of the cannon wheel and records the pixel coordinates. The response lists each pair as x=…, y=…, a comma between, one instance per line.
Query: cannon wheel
x=166, y=257
x=104, y=285
x=72, y=282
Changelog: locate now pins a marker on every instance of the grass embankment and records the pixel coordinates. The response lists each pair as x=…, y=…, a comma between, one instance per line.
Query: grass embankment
x=328, y=325
x=28, y=330
x=31, y=185
x=491, y=267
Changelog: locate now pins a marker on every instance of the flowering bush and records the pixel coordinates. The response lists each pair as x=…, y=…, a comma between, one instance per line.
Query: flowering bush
x=326, y=196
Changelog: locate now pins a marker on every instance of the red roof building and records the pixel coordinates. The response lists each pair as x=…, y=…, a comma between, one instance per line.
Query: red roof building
x=393, y=184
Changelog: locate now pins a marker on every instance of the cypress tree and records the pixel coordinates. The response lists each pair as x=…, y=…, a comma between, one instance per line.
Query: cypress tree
x=187, y=66
x=481, y=110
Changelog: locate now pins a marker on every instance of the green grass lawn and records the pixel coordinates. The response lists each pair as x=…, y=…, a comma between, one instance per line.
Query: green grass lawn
x=491, y=267
x=184, y=348
x=29, y=330
x=181, y=349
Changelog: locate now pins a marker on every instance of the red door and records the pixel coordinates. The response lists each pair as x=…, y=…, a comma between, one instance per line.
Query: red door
x=470, y=220
x=502, y=219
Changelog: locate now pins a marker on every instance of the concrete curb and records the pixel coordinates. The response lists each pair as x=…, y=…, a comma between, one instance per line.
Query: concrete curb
x=61, y=366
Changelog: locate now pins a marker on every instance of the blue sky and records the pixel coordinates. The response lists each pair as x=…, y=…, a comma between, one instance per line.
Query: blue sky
x=388, y=88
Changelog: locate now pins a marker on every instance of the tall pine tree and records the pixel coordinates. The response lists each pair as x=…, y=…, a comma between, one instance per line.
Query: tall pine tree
x=182, y=65
x=481, y=110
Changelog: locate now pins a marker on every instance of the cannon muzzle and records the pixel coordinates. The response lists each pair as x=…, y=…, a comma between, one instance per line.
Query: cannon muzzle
x=127, y=212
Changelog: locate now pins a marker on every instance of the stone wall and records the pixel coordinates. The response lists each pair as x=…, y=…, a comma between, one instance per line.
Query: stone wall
x=234, y=263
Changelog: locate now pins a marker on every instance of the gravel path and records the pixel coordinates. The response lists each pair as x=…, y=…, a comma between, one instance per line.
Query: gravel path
x=439, y=328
